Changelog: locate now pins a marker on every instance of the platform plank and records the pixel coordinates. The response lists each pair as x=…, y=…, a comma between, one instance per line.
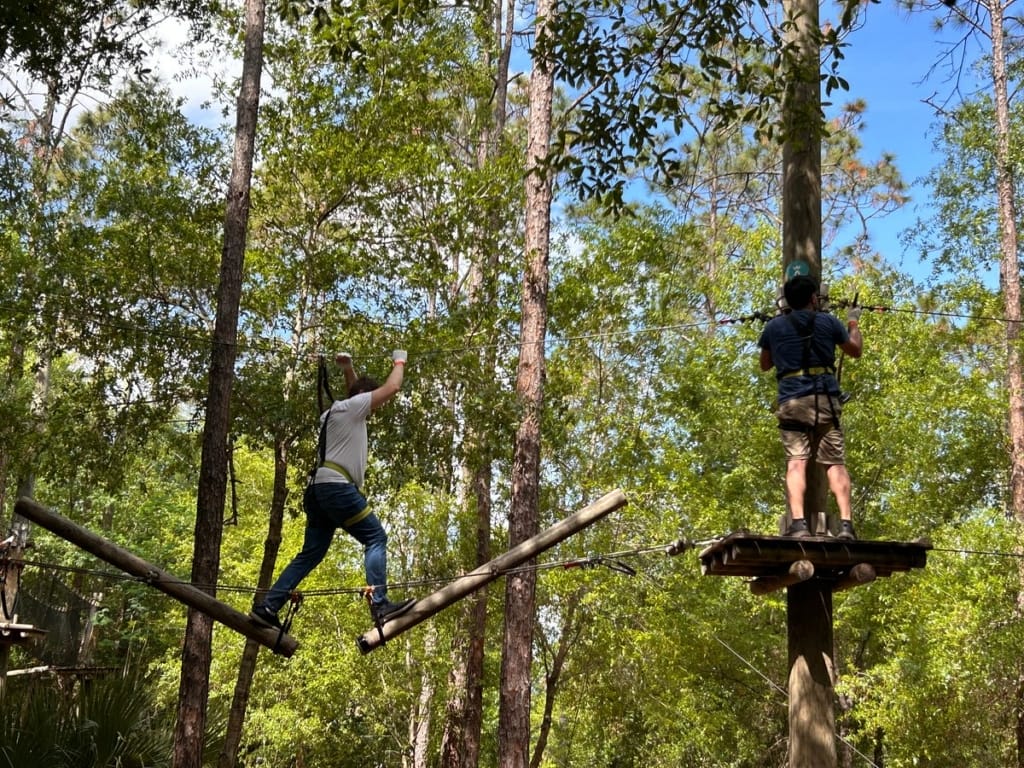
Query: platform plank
x=18, y=634
x=761, y=556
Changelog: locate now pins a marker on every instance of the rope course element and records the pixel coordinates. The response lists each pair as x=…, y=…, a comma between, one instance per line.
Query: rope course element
x=611, y=560
x=273, y=345
x=276, y=345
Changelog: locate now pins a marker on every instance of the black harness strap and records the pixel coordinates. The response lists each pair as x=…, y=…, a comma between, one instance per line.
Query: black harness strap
x=790, y=425
x=323, y=384
x=807, y=338
x=295, y=602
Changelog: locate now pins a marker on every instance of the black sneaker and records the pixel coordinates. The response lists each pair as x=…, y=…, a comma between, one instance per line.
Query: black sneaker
x=387, y=610
x=846, y=531
x=265, y=617
x=798, y=529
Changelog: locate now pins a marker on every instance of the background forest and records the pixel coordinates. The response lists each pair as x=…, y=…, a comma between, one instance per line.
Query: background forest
x=388, y=211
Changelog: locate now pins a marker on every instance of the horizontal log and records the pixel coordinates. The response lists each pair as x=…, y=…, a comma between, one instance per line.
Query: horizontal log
x=167, y=583
x=862, y=573
x=801, y=570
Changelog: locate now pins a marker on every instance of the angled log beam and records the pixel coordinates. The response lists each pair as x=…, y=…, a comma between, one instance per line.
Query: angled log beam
x=167, y=583
x=488, y=572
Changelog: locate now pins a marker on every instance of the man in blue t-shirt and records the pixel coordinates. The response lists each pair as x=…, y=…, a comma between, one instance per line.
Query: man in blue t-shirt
x=801, y=346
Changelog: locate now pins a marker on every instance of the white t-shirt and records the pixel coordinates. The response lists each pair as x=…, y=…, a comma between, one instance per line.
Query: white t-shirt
x=346, y=439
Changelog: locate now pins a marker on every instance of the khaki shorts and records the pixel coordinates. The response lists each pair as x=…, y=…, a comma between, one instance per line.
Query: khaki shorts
x=808, y=427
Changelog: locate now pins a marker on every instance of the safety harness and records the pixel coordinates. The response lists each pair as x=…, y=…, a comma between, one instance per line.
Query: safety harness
x=807, y=339
x=324, y=387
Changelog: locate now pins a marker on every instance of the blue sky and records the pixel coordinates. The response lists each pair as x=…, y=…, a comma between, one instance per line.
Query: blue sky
x=887, y=63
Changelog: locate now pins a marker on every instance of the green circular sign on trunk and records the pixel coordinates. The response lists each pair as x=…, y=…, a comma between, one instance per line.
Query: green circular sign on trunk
x=795, y=268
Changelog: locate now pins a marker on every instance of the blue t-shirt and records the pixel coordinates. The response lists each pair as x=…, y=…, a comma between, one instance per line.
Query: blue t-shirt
x=782, y=336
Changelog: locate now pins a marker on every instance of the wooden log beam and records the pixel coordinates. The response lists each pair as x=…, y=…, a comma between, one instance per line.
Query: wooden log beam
x=167, y=583
x=799, y=571
x=862, y=573
x=488, y=572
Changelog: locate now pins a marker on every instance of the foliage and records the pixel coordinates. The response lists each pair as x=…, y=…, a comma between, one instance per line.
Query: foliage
x=104, y=723
x=372, y=218
x=52, y=39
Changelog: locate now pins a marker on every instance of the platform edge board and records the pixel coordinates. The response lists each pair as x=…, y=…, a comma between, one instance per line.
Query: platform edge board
x=748, y=555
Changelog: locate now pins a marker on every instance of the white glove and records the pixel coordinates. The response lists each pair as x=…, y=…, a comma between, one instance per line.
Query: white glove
x=343, y=358
x=853, y=314
x=399, y=355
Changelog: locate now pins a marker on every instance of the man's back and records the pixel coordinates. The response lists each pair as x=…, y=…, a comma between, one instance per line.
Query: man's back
x=802, y=346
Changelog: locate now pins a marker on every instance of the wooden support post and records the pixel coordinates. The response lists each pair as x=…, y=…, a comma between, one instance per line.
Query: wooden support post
x=11, y=577
x=488, y=572
x=799, y=571
x=165, y=582
x=838, y=564
x=811, y=670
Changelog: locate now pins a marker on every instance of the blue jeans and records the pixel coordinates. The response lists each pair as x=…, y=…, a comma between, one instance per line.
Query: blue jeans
x=327, y=507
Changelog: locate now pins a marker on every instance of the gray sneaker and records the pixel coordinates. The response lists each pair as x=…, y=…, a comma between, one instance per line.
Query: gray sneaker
x=798, y=529
x=846, y=531
x=387, y=610
x=265, y=617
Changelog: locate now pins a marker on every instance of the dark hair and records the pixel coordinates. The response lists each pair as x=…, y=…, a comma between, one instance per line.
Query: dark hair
x=362, y=384
x=799, y=290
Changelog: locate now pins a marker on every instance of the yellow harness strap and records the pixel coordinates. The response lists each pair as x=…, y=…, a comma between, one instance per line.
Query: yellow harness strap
x=339, y=468
x=359, y=515
x=816, y=371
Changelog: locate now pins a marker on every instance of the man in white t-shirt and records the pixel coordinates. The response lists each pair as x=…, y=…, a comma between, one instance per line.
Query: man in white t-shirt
x=333, y=500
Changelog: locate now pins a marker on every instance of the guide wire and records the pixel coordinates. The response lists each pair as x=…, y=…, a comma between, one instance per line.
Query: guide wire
x=274, y=345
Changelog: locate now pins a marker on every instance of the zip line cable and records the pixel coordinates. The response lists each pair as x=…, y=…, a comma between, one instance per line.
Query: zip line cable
x=276, y=346
x=610, y=560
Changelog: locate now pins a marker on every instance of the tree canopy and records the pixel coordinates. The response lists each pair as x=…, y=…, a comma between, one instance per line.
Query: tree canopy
x=388, y=211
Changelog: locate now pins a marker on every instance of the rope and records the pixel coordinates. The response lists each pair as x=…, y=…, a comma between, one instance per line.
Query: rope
x=611, y=560
x=323, y=385
x=274, y=345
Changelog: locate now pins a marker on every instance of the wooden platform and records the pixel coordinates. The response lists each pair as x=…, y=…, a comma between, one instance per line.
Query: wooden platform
x=775, y=562
x=18, y=634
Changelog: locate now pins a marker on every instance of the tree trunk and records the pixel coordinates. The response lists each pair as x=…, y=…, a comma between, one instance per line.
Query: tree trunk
x=1009, y=283
x=460, y=744
x=567, y=639
x=194, y=687
x=420, y=720
x=473, y=725
x=520, y=589
x=811, y=707
x=247, y=666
